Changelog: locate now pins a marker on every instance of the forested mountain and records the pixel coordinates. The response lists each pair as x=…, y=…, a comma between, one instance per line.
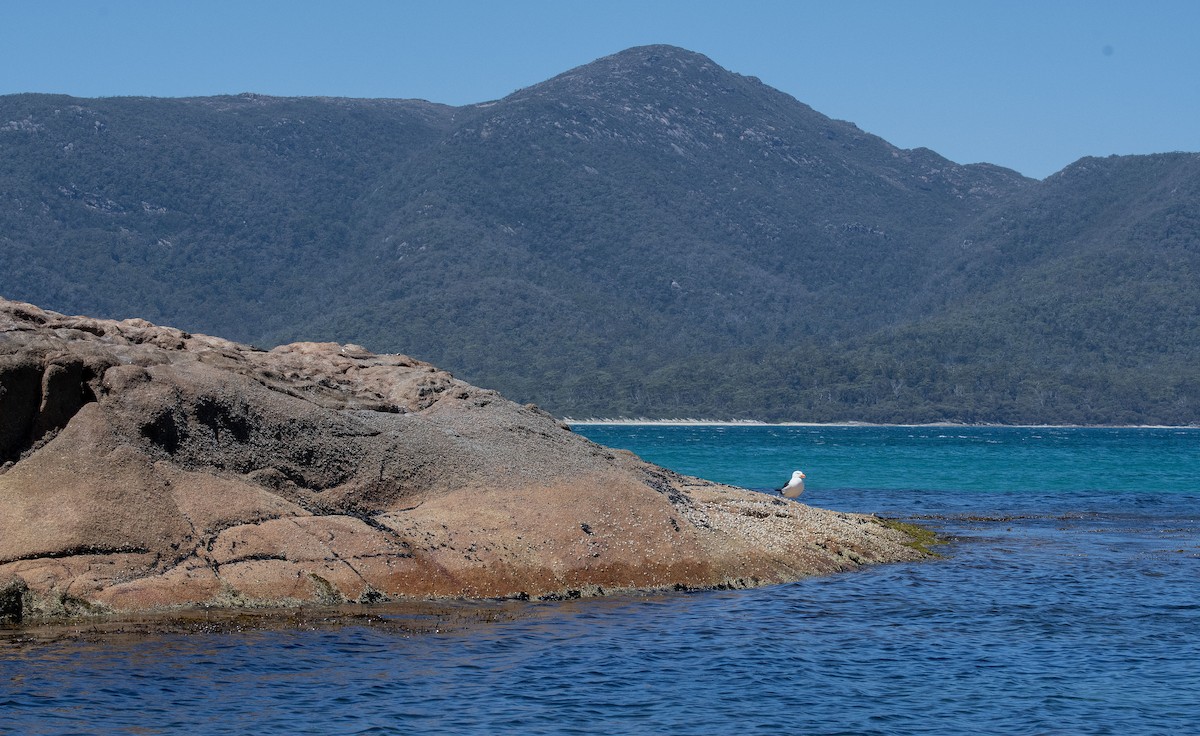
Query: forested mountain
x=646, y=235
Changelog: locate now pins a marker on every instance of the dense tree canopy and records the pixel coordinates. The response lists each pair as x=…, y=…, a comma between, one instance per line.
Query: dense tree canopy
x=648, y=235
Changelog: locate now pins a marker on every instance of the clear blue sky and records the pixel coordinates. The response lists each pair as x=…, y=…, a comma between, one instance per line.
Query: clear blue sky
x=1028, y=85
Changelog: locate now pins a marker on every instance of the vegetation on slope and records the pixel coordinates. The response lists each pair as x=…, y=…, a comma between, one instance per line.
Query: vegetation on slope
x=647, y=235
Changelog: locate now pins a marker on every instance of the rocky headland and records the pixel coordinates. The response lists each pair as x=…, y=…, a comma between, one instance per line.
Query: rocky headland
x=144, y=468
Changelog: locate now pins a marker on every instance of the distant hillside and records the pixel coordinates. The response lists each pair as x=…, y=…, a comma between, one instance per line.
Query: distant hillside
x=646, y=235
x=208, y=212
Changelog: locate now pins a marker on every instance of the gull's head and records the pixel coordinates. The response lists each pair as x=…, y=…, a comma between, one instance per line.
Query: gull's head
x=798, y=475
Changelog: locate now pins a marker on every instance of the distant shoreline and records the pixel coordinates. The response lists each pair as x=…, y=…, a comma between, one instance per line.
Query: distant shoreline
x=758, y=423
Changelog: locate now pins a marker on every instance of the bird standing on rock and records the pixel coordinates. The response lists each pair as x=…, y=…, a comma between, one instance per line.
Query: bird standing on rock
x=794, y=487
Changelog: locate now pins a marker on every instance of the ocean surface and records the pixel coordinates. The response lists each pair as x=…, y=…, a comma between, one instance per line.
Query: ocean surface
x=1068, y=602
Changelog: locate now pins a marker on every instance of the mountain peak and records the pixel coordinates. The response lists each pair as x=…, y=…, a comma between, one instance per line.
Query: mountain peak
x=655, y=67
x=677, y=105
x=656, y=55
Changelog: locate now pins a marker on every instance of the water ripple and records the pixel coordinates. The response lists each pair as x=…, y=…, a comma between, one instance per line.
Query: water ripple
x=1052, y=613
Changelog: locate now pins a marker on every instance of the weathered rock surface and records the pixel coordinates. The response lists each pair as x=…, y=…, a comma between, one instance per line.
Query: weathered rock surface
x=144, y=467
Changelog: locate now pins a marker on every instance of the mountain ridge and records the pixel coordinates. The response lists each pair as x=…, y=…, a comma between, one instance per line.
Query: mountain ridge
x=645, y=235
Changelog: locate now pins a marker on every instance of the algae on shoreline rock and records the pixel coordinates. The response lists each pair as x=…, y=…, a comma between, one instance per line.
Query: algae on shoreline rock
x=921, y=537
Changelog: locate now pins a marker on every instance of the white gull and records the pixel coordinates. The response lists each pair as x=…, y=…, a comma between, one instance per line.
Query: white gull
x=794, y=487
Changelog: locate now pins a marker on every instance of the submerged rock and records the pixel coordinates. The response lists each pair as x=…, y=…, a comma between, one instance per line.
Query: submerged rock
x=142, y=467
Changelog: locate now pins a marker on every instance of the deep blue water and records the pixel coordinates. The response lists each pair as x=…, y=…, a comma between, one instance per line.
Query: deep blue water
x=1068, y=604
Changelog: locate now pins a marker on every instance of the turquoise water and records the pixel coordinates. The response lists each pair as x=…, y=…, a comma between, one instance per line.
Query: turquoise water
x=1069, y=602
x=938, y=459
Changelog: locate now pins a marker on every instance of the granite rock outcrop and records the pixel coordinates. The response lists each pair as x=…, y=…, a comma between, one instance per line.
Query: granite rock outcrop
x=142, y=468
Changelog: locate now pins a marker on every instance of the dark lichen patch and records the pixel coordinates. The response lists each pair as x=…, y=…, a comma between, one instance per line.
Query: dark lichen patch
x=326, y=593
x=21, y=605
x=370, y=595
x=12, y=601
x=920, y=538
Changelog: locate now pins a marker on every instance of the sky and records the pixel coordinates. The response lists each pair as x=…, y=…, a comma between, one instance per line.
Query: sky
x=1031, y=85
